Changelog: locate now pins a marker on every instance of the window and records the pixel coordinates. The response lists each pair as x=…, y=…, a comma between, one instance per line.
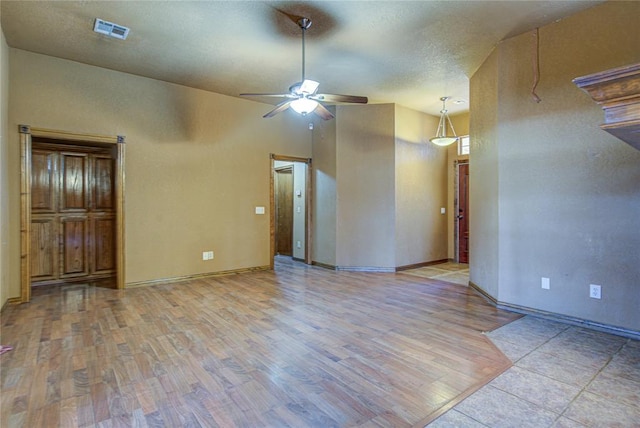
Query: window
x=463, y=145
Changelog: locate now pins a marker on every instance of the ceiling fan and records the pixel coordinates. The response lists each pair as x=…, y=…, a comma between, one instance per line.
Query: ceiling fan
x=303, y=96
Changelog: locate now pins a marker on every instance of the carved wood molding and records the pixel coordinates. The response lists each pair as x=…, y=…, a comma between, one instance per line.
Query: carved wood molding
x=618, y=92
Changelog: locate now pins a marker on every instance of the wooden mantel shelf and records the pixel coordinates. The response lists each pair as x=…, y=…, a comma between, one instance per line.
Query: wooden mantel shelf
x=618, y=92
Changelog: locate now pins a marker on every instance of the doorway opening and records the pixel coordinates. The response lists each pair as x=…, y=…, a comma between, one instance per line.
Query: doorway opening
x=461, y=230
x=72, y=218
x=290, y=208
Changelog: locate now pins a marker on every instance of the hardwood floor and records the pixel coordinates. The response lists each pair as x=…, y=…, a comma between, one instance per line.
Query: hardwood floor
x=299, y=346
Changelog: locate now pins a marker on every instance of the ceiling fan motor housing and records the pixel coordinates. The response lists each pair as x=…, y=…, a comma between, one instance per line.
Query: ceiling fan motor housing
x=304, y=23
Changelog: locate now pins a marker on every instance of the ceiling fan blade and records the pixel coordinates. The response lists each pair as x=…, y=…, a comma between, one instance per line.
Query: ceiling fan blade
x=309, y=86
x=335, y=98
x=280, y=107
x=323, y=112
x=269, y=95
x=303, y=97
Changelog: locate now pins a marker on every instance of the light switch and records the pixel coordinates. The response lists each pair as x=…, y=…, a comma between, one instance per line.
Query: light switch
x=259, y=210
x=443, y=210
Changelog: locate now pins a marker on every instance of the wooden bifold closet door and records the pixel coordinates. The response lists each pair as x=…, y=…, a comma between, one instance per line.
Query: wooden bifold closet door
x=72, y=213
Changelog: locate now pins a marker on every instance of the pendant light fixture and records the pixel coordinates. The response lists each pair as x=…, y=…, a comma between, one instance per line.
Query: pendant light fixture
x=441, y=138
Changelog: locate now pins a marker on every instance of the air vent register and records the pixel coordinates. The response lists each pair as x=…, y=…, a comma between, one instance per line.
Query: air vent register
x=110, y=29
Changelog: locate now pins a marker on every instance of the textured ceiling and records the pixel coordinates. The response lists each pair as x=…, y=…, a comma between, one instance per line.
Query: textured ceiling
x=405, y=52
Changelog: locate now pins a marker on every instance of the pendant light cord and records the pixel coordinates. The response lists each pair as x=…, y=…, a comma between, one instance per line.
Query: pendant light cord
x=536, y=65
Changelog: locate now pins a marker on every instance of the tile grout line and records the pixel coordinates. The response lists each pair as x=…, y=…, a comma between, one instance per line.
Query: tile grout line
x=584, y=389
x=514, y=365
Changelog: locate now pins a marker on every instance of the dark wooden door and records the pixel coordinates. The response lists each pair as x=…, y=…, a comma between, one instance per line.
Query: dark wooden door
x=72, y=213
x=44, y=230
x=463, y=213
x=102, y=215
x=284, y=211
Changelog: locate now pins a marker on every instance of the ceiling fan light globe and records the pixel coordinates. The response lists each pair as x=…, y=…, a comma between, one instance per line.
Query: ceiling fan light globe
x=443, y=141
x=303, y=106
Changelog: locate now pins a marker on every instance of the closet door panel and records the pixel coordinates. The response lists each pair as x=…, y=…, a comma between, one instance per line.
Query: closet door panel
x=44, y=249
x=103, y=240
x=43, y=180
x=103, y=183
x=74, y=251
x=73, y=182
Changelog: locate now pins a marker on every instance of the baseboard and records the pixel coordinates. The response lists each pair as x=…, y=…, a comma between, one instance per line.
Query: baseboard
x=323, y=265
x=484, y=294
x=366, y=269
x=195, y=276
x=566, y=319
x=11, y=301
x=379, y=269
x=423, y=264
x=552, y=316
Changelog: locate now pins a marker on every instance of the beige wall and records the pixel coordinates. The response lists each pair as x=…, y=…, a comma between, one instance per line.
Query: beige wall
x=390, y=186
x=483, y=176
x=197, y=163
x=324, y=215
x=299, y=209
x=6, y=277
x=552, y=195
x=420, y=190
x=365, y=186
x=461, y=125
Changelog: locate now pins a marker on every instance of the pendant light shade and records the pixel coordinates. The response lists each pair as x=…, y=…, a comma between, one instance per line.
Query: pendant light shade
x=441, y=138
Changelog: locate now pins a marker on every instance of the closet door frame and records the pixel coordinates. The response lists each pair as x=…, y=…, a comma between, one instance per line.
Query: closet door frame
x=27, y=133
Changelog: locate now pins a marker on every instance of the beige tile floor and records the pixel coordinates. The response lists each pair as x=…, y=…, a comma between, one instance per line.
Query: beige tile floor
x=451, y=272
x=562, y=376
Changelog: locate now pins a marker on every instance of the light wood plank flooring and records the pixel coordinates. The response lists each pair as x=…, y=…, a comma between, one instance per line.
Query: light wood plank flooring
x=299, y=346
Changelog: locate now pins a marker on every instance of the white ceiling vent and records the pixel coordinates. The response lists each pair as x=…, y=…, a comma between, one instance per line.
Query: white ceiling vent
x=110, y=29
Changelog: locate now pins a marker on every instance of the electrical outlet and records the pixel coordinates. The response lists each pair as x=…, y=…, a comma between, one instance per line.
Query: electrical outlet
x=207, y=255
x=545, y=283
x=298, y=244
x=595, y=291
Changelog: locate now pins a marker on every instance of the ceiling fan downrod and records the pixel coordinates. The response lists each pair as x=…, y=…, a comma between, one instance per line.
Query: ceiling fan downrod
x=304, y=24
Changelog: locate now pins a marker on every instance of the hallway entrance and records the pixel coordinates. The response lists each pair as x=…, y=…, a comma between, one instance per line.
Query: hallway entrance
x=290, y=207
